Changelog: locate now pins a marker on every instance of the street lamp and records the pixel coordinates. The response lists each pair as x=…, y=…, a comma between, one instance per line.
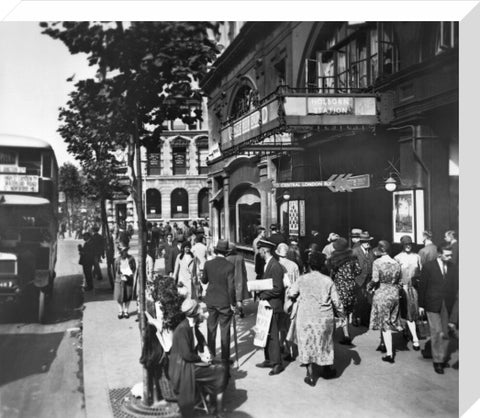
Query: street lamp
x=286, y=195
x=390, y=184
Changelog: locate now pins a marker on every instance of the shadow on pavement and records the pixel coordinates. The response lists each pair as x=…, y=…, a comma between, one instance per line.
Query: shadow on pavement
x=67, y=301
x=23, y=355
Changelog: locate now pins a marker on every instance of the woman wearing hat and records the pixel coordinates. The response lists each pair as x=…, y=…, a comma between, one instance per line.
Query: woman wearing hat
x=385, y=303
x=315, y=323
x=184, y=272
x=344, y=267
x=189, y=365
x=410, y=270
x=124, y=268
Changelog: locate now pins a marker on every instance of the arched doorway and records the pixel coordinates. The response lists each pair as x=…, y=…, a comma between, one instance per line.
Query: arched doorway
x=154, y=202
x=203, y=203
x=179, y=203
x=245, y=213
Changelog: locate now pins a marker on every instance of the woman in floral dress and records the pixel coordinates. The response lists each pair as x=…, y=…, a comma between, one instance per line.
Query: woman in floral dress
x=385, y=305
x=344, y=267
x=315, y=323
x=410, y=270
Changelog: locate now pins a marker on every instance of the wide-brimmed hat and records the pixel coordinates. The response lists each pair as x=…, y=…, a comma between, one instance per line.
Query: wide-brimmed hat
x=190, y=307
x=282, y=249
x=365, y=236
x=355, y=233
x=265, y=243
x=222, y=246
x=333, y=237
x=340, y=244
x=406, y=240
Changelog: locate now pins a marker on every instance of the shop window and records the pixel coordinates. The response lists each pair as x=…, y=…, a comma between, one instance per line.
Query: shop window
x=154, y=162
x=179, y=203
x=154, y=202
x=203, y=203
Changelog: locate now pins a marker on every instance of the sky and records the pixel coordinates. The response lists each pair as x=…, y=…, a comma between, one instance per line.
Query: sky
x=33, y=73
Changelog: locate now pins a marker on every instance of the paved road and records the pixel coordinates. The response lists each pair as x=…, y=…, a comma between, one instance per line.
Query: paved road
x=40, y=365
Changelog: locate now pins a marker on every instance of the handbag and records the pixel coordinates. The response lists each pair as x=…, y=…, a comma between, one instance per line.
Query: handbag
x=423, y=328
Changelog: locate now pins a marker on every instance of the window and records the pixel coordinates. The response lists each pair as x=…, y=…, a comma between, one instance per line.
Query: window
x=31, y=160
x=47, y=166
x=202, y=153
x=154, y=161
x=203, y=203
x=243, y=102
x=447, y=36
x=154, y=202
x=352, y=64
x=179, y=156
x=179, y=203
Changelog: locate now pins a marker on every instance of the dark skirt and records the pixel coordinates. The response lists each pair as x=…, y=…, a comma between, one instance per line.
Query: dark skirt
x=123, y=291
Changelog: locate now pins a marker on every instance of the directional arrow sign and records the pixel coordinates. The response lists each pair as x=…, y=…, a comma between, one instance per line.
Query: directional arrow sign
x=336, y=183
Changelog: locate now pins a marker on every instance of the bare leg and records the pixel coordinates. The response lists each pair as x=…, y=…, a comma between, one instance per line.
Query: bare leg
x=387, y=338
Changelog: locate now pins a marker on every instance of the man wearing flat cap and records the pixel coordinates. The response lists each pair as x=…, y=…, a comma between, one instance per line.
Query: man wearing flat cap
x=365, y=257
x=220, y=298
x=275, y=296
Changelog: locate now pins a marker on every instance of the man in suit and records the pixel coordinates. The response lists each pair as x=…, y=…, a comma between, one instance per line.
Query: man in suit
x=429, y=251
x=220, y=298
x=87, y=259
x=451, y=239
x=275, y=236
x=275, y=296
x=437, y=292
x=365, y=257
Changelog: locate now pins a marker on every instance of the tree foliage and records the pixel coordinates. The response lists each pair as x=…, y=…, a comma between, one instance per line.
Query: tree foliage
x=70, y=182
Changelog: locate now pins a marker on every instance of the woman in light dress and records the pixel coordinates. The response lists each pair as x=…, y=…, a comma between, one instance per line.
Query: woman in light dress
x=315, y=322
x=184, y=272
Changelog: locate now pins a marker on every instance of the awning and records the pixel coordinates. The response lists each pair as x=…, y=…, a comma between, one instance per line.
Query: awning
x=22, y=200
x=217, y=197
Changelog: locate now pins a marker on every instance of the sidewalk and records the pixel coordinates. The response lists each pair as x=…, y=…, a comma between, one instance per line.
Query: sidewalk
x=365, y=385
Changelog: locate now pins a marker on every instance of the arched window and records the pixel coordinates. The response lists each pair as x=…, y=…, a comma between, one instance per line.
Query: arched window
x=244, y=100
x=154, y=203
x=203, y=203
x=179, y=203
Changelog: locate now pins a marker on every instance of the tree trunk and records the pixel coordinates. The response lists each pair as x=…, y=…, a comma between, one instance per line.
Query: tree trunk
x=137, y=196
x=105, y=229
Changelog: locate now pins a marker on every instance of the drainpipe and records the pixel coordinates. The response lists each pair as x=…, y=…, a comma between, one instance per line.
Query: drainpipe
x=423, y=165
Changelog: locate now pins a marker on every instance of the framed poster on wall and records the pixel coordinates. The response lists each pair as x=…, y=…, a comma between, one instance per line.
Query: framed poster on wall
x=408, y=215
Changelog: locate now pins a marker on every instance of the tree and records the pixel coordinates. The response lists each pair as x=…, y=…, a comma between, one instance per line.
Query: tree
x=70, y=182
x=150, y=71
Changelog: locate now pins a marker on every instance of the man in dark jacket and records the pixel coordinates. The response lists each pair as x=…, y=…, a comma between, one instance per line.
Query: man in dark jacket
x=436, y=296
x=220, y=298
x=172, y=249
x=275, y=297
x=87, y=259
x=99, y=244
x=275, y=236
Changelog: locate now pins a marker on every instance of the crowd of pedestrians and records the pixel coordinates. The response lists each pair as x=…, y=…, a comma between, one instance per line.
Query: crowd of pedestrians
x=341, y=283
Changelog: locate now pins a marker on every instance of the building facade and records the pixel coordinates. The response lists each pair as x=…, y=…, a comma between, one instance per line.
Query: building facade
x=174, y=174
x=308, y=121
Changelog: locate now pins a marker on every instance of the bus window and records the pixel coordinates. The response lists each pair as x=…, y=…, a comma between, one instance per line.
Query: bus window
x=31, y=160
x=46, y=166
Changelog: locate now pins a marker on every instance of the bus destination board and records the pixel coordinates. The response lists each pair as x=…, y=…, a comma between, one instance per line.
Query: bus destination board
x=18, y=183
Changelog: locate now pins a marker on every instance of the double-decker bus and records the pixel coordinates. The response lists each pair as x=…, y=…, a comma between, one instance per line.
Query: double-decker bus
x=28, y=220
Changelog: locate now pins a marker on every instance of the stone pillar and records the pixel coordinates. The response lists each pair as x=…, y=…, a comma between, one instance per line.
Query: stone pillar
x=167, y=159
x=166, y=200
x=264, y=218
x=226, y=192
